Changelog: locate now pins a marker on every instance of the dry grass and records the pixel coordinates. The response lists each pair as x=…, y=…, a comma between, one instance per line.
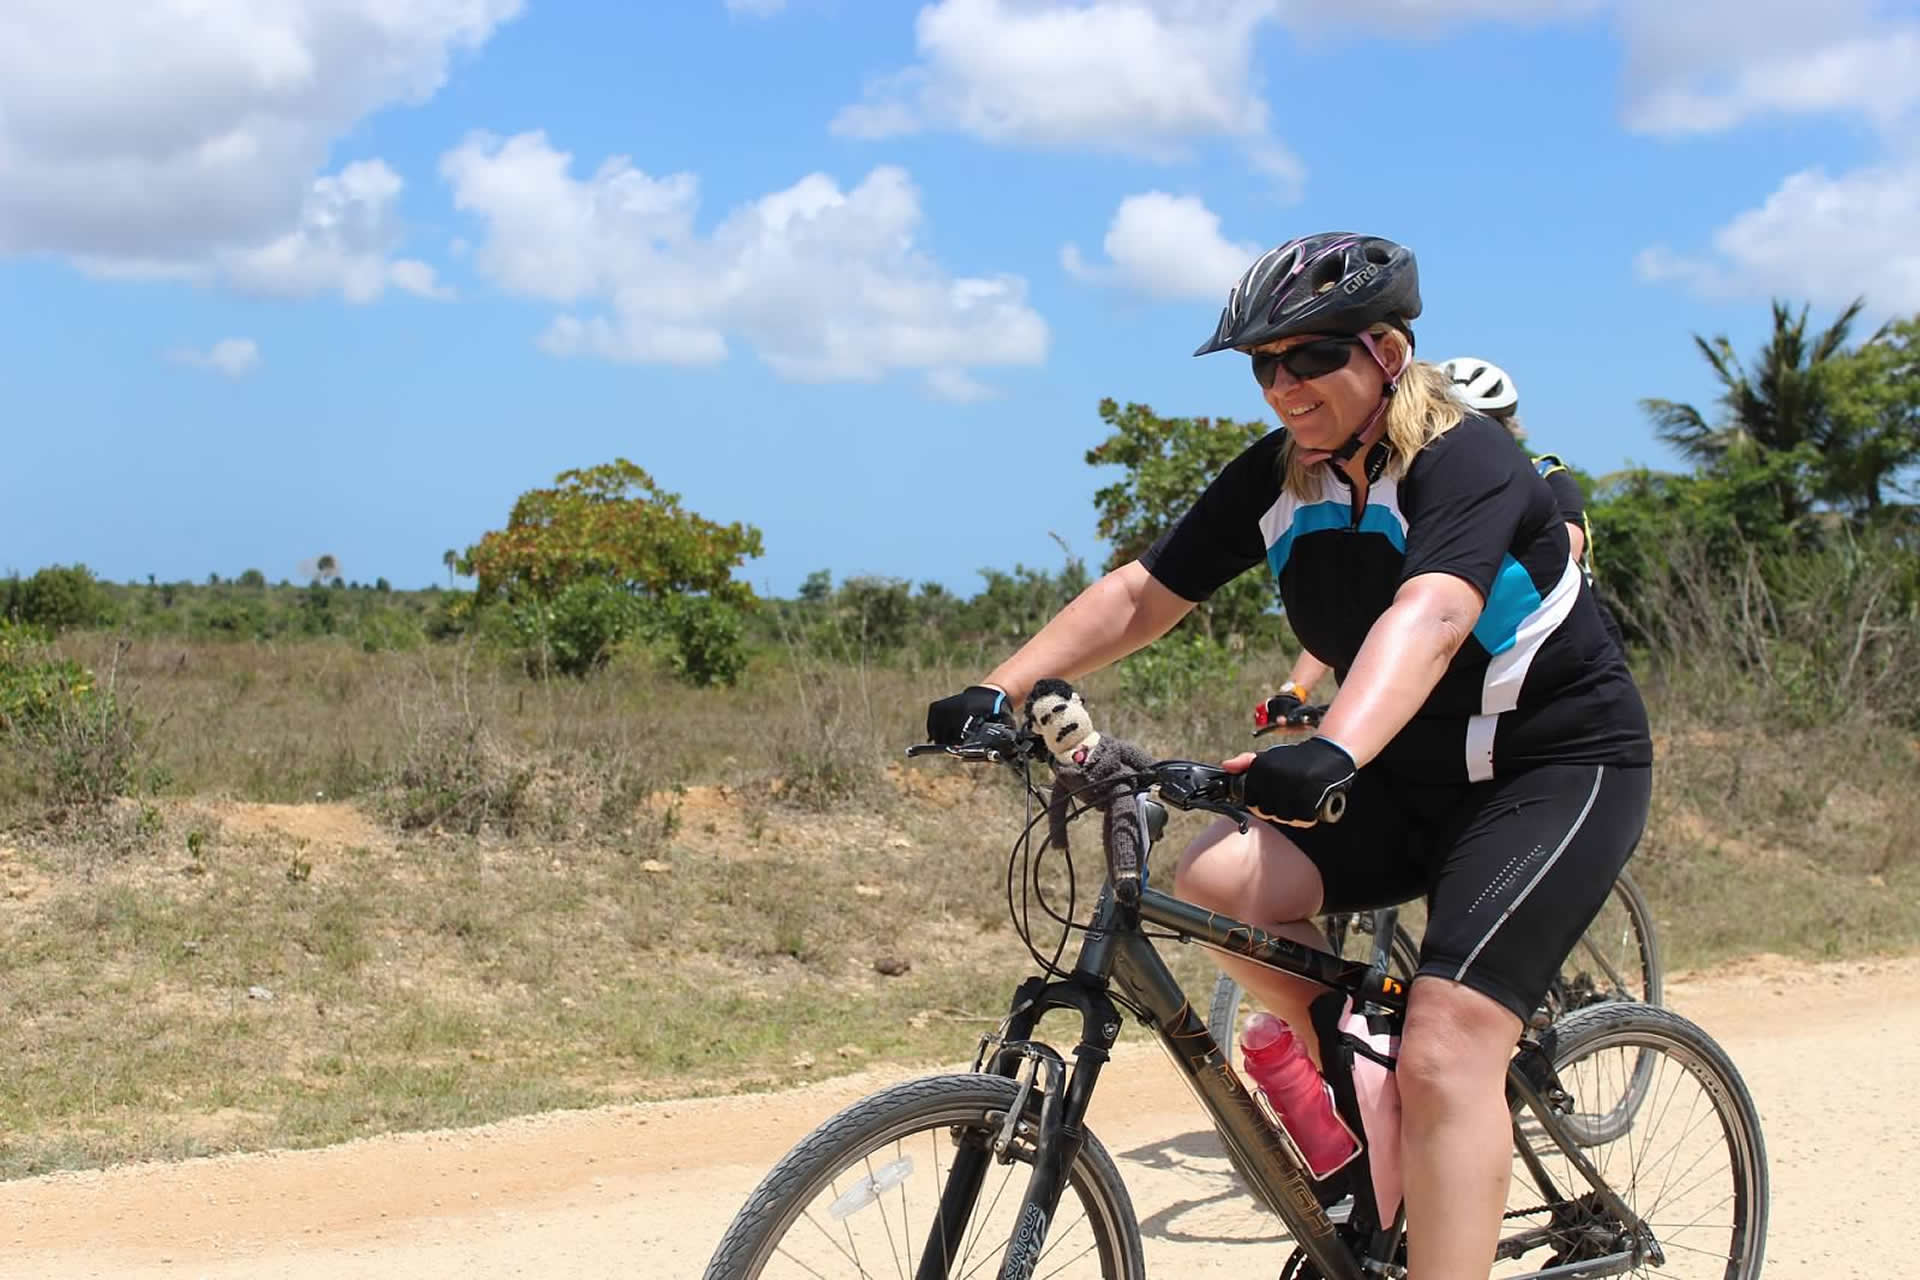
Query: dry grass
x=639, y=889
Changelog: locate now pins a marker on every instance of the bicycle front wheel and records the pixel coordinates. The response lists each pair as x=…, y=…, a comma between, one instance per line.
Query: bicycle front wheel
x=863, y=1196
x=1689, y=1162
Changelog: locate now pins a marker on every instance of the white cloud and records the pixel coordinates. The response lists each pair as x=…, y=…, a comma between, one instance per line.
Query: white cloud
x=1136, y=76
x=152, y=139
x=1167, y=247
x=1824, y=239
x=345, y=233
x=823, y=284
x=1428, y=17
x=1707, y=65
x=756, y=8
x=340, y=243
x=231, y=356
x=1710, y=65
x=958, y=386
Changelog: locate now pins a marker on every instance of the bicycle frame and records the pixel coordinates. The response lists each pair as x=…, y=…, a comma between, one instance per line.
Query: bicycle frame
x=1115, y=950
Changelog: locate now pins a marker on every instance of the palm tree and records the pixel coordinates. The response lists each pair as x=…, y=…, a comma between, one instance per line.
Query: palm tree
x=449, y=558
x=1778, y=406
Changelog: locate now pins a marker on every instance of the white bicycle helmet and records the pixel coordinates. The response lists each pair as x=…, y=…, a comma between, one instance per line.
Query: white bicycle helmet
x=1484, y=387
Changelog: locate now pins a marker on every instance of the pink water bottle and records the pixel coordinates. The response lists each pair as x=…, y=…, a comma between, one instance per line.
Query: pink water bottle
x=1279, y=1064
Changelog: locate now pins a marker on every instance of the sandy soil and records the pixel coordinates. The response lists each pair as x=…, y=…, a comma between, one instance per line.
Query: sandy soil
x=1829, y=1052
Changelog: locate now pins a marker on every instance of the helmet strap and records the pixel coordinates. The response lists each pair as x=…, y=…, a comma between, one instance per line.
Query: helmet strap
x=1371, y=429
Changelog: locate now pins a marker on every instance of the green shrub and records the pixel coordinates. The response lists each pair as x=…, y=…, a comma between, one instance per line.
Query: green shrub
x=707, y=640
x=577, y=631
x=75, y=742
x=56, y=598
x=1179, y=668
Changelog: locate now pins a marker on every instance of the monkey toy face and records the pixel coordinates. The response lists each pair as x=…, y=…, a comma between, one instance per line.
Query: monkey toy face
x=1062, y=721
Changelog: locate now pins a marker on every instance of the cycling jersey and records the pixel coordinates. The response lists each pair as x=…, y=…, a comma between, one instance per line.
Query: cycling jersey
x=1568, y=498
x=1566, y=489
x=1573, y=510
x=1538, y=681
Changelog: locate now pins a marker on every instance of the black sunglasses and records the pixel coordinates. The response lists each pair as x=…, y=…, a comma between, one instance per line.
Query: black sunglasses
x=1314, y=359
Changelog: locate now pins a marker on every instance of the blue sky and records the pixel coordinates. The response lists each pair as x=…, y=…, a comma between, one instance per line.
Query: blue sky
x=349, y=275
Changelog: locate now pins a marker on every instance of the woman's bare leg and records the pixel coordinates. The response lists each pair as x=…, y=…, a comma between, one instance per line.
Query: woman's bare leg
x=1261, y=878
x=1456, y=1143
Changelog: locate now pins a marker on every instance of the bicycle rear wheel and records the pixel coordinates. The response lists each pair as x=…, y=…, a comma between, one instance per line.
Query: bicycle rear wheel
x=1616, y=959
x=862, y=1195
x=1690, y=1161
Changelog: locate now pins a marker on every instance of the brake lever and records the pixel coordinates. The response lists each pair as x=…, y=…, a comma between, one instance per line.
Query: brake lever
x=969, y=751
x=992, y=743
x=1188, y=784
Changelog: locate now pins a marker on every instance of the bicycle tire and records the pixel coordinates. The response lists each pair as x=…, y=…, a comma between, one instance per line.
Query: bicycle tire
x=1681, y=1053
x=972, y=1104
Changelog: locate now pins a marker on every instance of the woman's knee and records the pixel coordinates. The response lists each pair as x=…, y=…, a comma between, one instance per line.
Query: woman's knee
x=1455, y=1047
x=1255, y=875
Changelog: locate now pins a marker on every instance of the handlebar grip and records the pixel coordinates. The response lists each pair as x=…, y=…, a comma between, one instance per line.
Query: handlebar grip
x=1332, y=809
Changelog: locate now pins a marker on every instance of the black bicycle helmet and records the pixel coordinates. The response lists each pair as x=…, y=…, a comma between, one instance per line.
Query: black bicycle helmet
x=1333, y=282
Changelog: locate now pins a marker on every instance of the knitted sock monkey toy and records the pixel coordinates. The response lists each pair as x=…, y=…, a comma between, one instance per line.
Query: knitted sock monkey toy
x=1085, y=764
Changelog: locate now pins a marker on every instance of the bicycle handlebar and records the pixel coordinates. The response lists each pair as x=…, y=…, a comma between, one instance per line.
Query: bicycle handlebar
x=1184, y=784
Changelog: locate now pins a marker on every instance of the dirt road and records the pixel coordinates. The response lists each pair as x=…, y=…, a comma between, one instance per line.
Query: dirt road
x=1830, y=1053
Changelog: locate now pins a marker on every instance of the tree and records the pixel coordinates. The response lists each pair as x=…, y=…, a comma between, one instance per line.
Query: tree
x=818, y=588
x=1168, y=462
x=1873, y=396
x=56, y=598
x=450, y=558
x=611, y=523
x=1777, y=406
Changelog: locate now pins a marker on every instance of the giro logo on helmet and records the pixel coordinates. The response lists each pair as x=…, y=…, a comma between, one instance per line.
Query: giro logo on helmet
x=1359, y=279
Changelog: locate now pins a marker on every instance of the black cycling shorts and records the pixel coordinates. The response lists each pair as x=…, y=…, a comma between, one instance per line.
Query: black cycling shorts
x=1513, y=869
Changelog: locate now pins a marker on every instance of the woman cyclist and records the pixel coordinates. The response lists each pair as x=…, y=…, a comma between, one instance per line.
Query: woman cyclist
x=1494, y=743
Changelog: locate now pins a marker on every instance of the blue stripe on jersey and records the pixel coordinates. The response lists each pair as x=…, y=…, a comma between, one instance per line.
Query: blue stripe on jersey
x=1512, y=599
x=1320, y=516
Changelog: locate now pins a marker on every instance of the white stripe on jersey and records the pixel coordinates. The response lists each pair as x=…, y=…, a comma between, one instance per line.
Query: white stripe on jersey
x=1507, y=671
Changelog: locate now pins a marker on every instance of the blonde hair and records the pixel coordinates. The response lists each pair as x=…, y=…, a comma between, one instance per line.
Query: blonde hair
x=1421, y=411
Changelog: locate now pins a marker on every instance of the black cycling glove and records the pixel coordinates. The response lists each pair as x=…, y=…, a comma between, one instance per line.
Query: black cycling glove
x=951, y=719
x=1293, y=783
x=1287, y=709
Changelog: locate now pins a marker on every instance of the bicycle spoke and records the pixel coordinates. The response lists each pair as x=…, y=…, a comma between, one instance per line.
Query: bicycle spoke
x=852, y=1257
x=886, y=1223
x=1069, y=1262
x=979, y=1218
x=1606, y=967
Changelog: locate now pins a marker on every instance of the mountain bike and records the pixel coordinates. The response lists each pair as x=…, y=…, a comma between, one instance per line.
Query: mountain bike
x=994, y=1171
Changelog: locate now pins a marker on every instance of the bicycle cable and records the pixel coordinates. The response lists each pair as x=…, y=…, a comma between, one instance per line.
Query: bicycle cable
x=1027, y=865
